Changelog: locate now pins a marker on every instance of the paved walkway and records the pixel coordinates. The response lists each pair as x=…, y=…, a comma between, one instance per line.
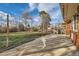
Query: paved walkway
x=56, y=45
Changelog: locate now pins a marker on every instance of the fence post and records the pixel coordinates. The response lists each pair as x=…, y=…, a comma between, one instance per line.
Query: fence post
x=7, y=36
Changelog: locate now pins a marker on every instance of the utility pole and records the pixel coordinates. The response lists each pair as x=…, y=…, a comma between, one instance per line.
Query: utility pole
x=7, y=36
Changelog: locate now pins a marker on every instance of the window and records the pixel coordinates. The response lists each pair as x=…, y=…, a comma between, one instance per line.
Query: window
x=75, y=23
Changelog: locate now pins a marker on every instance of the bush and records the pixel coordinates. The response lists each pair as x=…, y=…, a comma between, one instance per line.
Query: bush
x=4, y=29
x=13, y=29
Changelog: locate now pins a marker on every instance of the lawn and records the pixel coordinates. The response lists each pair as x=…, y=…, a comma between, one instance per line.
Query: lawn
x=17, y=38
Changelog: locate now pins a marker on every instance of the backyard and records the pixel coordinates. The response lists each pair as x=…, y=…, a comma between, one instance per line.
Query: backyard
x=17, y=38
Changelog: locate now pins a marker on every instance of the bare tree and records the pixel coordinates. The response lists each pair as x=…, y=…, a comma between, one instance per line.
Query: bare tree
x=25, y=17
x=45, y=21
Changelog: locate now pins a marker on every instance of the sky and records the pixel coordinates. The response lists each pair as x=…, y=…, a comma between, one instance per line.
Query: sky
x=16, y=9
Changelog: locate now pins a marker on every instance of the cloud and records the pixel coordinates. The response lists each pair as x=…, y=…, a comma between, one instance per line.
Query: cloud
x=36, y=21
x=32, y=6
x=46, y=6
x=53, y=9
x=3, y=15
x=50, y=8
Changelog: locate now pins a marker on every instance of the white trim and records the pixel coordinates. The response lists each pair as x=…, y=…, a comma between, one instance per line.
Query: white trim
x=73, y=25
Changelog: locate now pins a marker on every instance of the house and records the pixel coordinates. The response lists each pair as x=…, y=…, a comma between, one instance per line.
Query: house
x=70, y=13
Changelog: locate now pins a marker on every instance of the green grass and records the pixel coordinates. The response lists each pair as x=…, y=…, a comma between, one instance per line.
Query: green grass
x=17, y=38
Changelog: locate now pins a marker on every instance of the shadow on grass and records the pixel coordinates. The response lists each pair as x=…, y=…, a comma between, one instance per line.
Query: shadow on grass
x=18, y=40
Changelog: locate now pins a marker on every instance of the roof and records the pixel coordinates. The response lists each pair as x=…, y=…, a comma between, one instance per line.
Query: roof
x=68, y=9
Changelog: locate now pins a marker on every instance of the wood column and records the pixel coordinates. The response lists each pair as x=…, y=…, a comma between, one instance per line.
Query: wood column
x=77, y=40
x=67, y=27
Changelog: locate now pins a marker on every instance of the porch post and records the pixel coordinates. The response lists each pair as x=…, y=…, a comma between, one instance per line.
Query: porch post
x=77, y=40
x=67, y=27
x=78, y=22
